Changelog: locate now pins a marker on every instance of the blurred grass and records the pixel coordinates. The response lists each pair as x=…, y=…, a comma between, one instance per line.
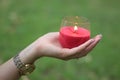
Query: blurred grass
x=23, y=21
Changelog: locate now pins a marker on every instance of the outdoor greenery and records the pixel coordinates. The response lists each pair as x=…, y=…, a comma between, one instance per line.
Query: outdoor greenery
x=23, y=21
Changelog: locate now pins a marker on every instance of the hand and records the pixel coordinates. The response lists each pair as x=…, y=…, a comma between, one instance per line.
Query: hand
x=48, y=45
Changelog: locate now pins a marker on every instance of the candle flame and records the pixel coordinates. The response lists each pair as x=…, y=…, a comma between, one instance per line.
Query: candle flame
x=75, y=28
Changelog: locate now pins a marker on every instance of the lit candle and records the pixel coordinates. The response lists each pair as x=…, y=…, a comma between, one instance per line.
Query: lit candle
x=71, y=37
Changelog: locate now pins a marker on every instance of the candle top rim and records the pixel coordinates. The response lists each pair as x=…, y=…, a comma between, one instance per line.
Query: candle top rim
x=69, y=31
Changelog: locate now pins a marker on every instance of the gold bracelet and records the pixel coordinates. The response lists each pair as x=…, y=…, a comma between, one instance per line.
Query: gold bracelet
x=24, y=69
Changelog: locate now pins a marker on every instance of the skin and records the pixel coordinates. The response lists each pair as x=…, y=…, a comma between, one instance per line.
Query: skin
x=46, y=46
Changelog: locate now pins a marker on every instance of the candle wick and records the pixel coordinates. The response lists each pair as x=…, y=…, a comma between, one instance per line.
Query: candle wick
x=75, y=28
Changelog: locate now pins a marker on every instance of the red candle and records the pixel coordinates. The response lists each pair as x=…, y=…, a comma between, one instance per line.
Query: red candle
x=73, y=36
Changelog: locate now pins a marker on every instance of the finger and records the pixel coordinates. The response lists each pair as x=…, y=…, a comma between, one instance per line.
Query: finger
x=76, y=50
x=97, y=40
x=90, y=47
x=53, y=34
x=83, y=46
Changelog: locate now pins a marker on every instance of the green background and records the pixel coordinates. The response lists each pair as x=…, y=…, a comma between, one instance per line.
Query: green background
x=23, y=21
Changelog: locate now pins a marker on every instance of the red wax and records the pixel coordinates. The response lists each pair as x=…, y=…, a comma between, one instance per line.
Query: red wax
x=70, y=38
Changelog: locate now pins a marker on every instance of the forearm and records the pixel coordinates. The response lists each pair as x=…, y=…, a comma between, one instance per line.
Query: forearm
x=9, y=71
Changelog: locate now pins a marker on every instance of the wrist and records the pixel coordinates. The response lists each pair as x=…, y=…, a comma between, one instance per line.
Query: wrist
x=24, y=68
x=28, y=55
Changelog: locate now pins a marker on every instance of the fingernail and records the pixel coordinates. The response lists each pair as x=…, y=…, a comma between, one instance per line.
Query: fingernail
x=100, y=35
